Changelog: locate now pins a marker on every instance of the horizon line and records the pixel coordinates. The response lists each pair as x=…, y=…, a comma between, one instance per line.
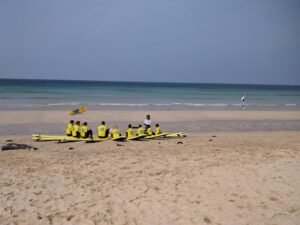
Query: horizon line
x=157, y=82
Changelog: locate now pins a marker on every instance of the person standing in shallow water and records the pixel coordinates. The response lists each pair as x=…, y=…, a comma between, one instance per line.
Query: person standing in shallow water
x=243, y=98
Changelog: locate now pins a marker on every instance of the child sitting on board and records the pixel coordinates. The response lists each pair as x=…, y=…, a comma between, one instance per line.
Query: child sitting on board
x=140, y=130
x=129, y=132
x=70, y=128
x=85, y=132
x=157, y=129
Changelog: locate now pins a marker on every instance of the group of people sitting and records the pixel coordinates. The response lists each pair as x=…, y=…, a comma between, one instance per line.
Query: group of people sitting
x=75, y=129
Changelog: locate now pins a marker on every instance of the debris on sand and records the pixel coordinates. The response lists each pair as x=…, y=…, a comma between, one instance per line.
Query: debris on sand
x=15, y=146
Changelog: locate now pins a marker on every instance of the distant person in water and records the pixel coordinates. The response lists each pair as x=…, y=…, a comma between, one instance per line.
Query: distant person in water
x=243, y=98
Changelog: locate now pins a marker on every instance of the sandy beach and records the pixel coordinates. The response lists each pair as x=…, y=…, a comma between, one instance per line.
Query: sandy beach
x=225, y=176
x=54, y=122
x=219, y=79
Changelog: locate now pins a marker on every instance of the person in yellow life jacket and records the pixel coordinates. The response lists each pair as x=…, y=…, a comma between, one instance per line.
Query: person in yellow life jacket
x=149, y=131
x=85, y=132
x=70, y=128
x=140, y=130
x=116, y=132
x=103, y=130
x=157, y=129
x=130, y=132
x=75, y=131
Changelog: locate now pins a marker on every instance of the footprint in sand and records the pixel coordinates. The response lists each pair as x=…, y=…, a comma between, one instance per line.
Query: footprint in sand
x=206, y=220
x=273, y=199
x=292, y=210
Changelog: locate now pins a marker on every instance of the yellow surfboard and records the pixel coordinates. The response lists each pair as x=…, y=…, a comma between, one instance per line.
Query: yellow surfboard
x=156, y=136
x=179, y=134
x=78, y=111
x=139, y=137
x=121, y=138
x=41, y=137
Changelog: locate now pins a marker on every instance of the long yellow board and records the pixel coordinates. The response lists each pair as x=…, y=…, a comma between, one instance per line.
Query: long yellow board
x=78, y=111
x=41, y=137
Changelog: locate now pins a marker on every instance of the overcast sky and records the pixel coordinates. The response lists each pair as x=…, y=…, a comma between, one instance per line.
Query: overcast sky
x=246, y=41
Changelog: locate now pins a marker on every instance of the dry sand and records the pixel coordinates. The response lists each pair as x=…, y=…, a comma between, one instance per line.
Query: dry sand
x=233, y=178
x=236, y=178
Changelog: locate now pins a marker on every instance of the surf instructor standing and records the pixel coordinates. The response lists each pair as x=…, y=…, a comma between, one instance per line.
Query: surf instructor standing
x=147, y=122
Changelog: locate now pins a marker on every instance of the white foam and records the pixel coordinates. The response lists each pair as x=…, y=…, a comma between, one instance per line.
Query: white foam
x=62, y=104
x=291, y=104
x=121, y=104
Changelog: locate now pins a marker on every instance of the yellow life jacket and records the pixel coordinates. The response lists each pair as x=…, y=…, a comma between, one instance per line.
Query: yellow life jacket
x=140, y=131
x=83, y=131
x=116, y=133
x=158, y=131
x=69, y=129
x=130, y=133
x=149, y=131
x=75, y=130
x=102, y=130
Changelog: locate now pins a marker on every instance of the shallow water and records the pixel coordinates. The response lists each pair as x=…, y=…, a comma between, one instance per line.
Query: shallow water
x=54, y=94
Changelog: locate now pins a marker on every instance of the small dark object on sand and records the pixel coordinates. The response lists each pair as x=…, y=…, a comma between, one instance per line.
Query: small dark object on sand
x=214, y=136
x=9, y=140
x=179, y=142
x=210, y=139
x=119, y=145
x=70, y=148
x=15, y=146
x=159, y=143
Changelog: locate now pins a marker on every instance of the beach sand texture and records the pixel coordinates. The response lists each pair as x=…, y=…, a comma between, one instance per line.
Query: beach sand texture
x=54, y=122
x=62, y=117
x=233, y=178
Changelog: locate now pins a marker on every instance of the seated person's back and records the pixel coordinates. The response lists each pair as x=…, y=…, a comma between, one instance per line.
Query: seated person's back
x=140, y=130
x=70, y=128
x=103, y=130
x=130, y=132
x=116, y=132
x=157, y=129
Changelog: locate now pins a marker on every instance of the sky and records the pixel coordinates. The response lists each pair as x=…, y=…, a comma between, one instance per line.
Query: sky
x=203, y=41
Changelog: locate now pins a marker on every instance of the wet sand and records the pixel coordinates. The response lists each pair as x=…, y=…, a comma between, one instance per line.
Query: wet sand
x=54, y=122
x=38, y=117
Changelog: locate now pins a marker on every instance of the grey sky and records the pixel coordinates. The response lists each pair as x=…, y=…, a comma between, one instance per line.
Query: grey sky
x=223, y=41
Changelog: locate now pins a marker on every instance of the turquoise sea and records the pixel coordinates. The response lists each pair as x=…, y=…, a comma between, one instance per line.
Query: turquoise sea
x=60, y=94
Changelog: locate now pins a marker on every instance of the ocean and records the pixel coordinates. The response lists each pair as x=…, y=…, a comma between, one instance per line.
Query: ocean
x=16, y=94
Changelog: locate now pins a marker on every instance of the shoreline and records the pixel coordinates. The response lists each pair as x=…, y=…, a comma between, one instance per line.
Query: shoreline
x=156, y=107
x=40, y=116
